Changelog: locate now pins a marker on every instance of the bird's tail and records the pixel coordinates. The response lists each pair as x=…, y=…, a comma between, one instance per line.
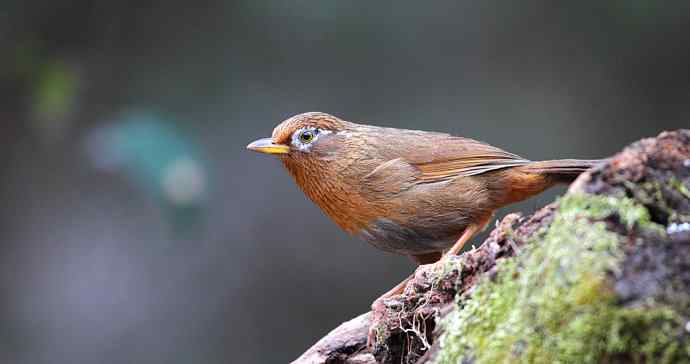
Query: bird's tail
x=534, y=177
x=561, y=170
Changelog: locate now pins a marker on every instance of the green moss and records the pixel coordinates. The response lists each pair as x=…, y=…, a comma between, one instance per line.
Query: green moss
x=594, y=207
x=446, y=269
x=382, y=333
x=553, y=303
x=654, y=193
x=680, y=187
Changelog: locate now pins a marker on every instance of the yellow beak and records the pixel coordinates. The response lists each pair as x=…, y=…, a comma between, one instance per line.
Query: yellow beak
x=267, y=146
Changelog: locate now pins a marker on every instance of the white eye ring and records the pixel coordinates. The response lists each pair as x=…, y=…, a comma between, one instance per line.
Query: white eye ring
x=304, y=138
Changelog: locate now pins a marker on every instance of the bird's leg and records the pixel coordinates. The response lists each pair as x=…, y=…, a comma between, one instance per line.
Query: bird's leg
x=398, y=289
x=378, y=307
x=469, y=232
x=378, y=304
x=427, y=258
x=420, y=259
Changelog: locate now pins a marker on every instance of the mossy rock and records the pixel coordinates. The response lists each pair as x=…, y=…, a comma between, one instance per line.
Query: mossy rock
x=606, y=280
x=558, y=302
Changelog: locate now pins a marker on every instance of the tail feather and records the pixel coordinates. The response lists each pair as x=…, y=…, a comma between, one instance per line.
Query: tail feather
x=535, y=177
x=563, y=170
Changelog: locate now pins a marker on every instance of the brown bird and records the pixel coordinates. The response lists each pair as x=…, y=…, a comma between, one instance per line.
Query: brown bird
x=409, y=192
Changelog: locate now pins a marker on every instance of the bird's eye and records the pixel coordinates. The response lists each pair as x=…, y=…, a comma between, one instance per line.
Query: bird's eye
x=307, y=136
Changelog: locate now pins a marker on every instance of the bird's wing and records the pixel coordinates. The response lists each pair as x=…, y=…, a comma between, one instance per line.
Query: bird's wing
x=434, y=157
x=391, y=177
x=449, y=157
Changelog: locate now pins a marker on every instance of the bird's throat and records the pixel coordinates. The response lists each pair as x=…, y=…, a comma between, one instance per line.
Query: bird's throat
x=325, y=185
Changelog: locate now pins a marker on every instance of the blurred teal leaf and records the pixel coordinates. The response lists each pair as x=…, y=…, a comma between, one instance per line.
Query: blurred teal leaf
x=155, y=154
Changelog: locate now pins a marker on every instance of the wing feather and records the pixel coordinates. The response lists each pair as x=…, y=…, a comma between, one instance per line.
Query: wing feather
x=426, y=157
x=453, y=157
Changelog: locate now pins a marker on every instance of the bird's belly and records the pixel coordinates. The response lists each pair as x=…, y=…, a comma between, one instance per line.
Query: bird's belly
x=416, y=237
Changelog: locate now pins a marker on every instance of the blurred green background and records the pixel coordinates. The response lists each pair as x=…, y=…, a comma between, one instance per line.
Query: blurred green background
x=134, y=226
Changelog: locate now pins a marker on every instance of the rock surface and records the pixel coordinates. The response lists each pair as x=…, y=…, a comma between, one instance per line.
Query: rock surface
x=601, y=275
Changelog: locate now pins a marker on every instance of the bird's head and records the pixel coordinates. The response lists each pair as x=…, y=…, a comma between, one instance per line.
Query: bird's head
x=325, y=155
x=306, y=137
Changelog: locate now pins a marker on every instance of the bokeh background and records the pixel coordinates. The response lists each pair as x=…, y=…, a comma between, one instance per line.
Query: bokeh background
x=134, y=226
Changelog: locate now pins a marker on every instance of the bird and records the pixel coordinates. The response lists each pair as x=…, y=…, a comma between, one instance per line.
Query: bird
x=416, y=193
